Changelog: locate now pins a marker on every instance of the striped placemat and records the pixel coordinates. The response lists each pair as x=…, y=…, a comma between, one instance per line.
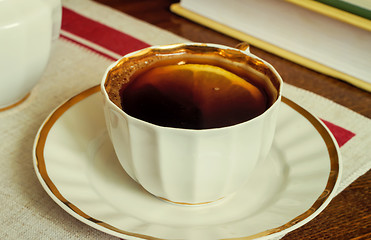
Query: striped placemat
x=92, y=37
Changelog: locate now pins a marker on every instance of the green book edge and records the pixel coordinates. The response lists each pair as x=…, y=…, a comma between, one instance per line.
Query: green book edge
x=348, y=7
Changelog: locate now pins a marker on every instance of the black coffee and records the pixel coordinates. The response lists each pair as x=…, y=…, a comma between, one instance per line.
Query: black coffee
x=192, y=90
x=192, y=96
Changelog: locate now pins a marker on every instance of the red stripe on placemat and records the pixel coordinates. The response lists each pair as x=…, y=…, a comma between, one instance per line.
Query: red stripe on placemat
x=90, y=48
x=99, y=33
x=341, y=135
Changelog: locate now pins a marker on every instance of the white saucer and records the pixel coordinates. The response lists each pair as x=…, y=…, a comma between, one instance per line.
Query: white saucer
x=75, y=163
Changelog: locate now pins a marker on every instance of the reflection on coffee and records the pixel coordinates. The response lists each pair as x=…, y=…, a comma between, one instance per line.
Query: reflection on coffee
x=184, y=91
x=193, y=96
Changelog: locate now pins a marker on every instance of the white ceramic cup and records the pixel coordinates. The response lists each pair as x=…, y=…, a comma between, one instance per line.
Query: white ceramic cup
x=27, y=30
x=188, y=166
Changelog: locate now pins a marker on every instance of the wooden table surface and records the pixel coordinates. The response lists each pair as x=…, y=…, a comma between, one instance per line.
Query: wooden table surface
x=348, y=216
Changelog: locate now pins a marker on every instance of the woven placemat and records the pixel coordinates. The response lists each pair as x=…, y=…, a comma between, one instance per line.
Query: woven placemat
x=78, y=63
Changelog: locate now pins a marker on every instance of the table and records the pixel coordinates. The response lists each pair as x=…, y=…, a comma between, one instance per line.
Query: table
x=348, y=216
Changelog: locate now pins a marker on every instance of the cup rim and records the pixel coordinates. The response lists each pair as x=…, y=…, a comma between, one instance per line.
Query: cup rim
x=139, y=121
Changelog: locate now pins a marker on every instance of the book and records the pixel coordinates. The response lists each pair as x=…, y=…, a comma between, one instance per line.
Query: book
x=309, y=38
x=355, y=12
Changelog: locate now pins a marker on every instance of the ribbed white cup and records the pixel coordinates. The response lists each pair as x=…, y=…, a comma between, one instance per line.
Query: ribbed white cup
x=190, y=166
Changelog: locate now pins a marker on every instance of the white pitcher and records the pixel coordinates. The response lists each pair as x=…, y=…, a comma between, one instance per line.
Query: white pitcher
x=27, y=31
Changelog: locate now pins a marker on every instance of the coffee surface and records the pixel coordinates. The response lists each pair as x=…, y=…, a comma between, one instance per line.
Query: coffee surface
x=192, y=87
x=192, y=96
